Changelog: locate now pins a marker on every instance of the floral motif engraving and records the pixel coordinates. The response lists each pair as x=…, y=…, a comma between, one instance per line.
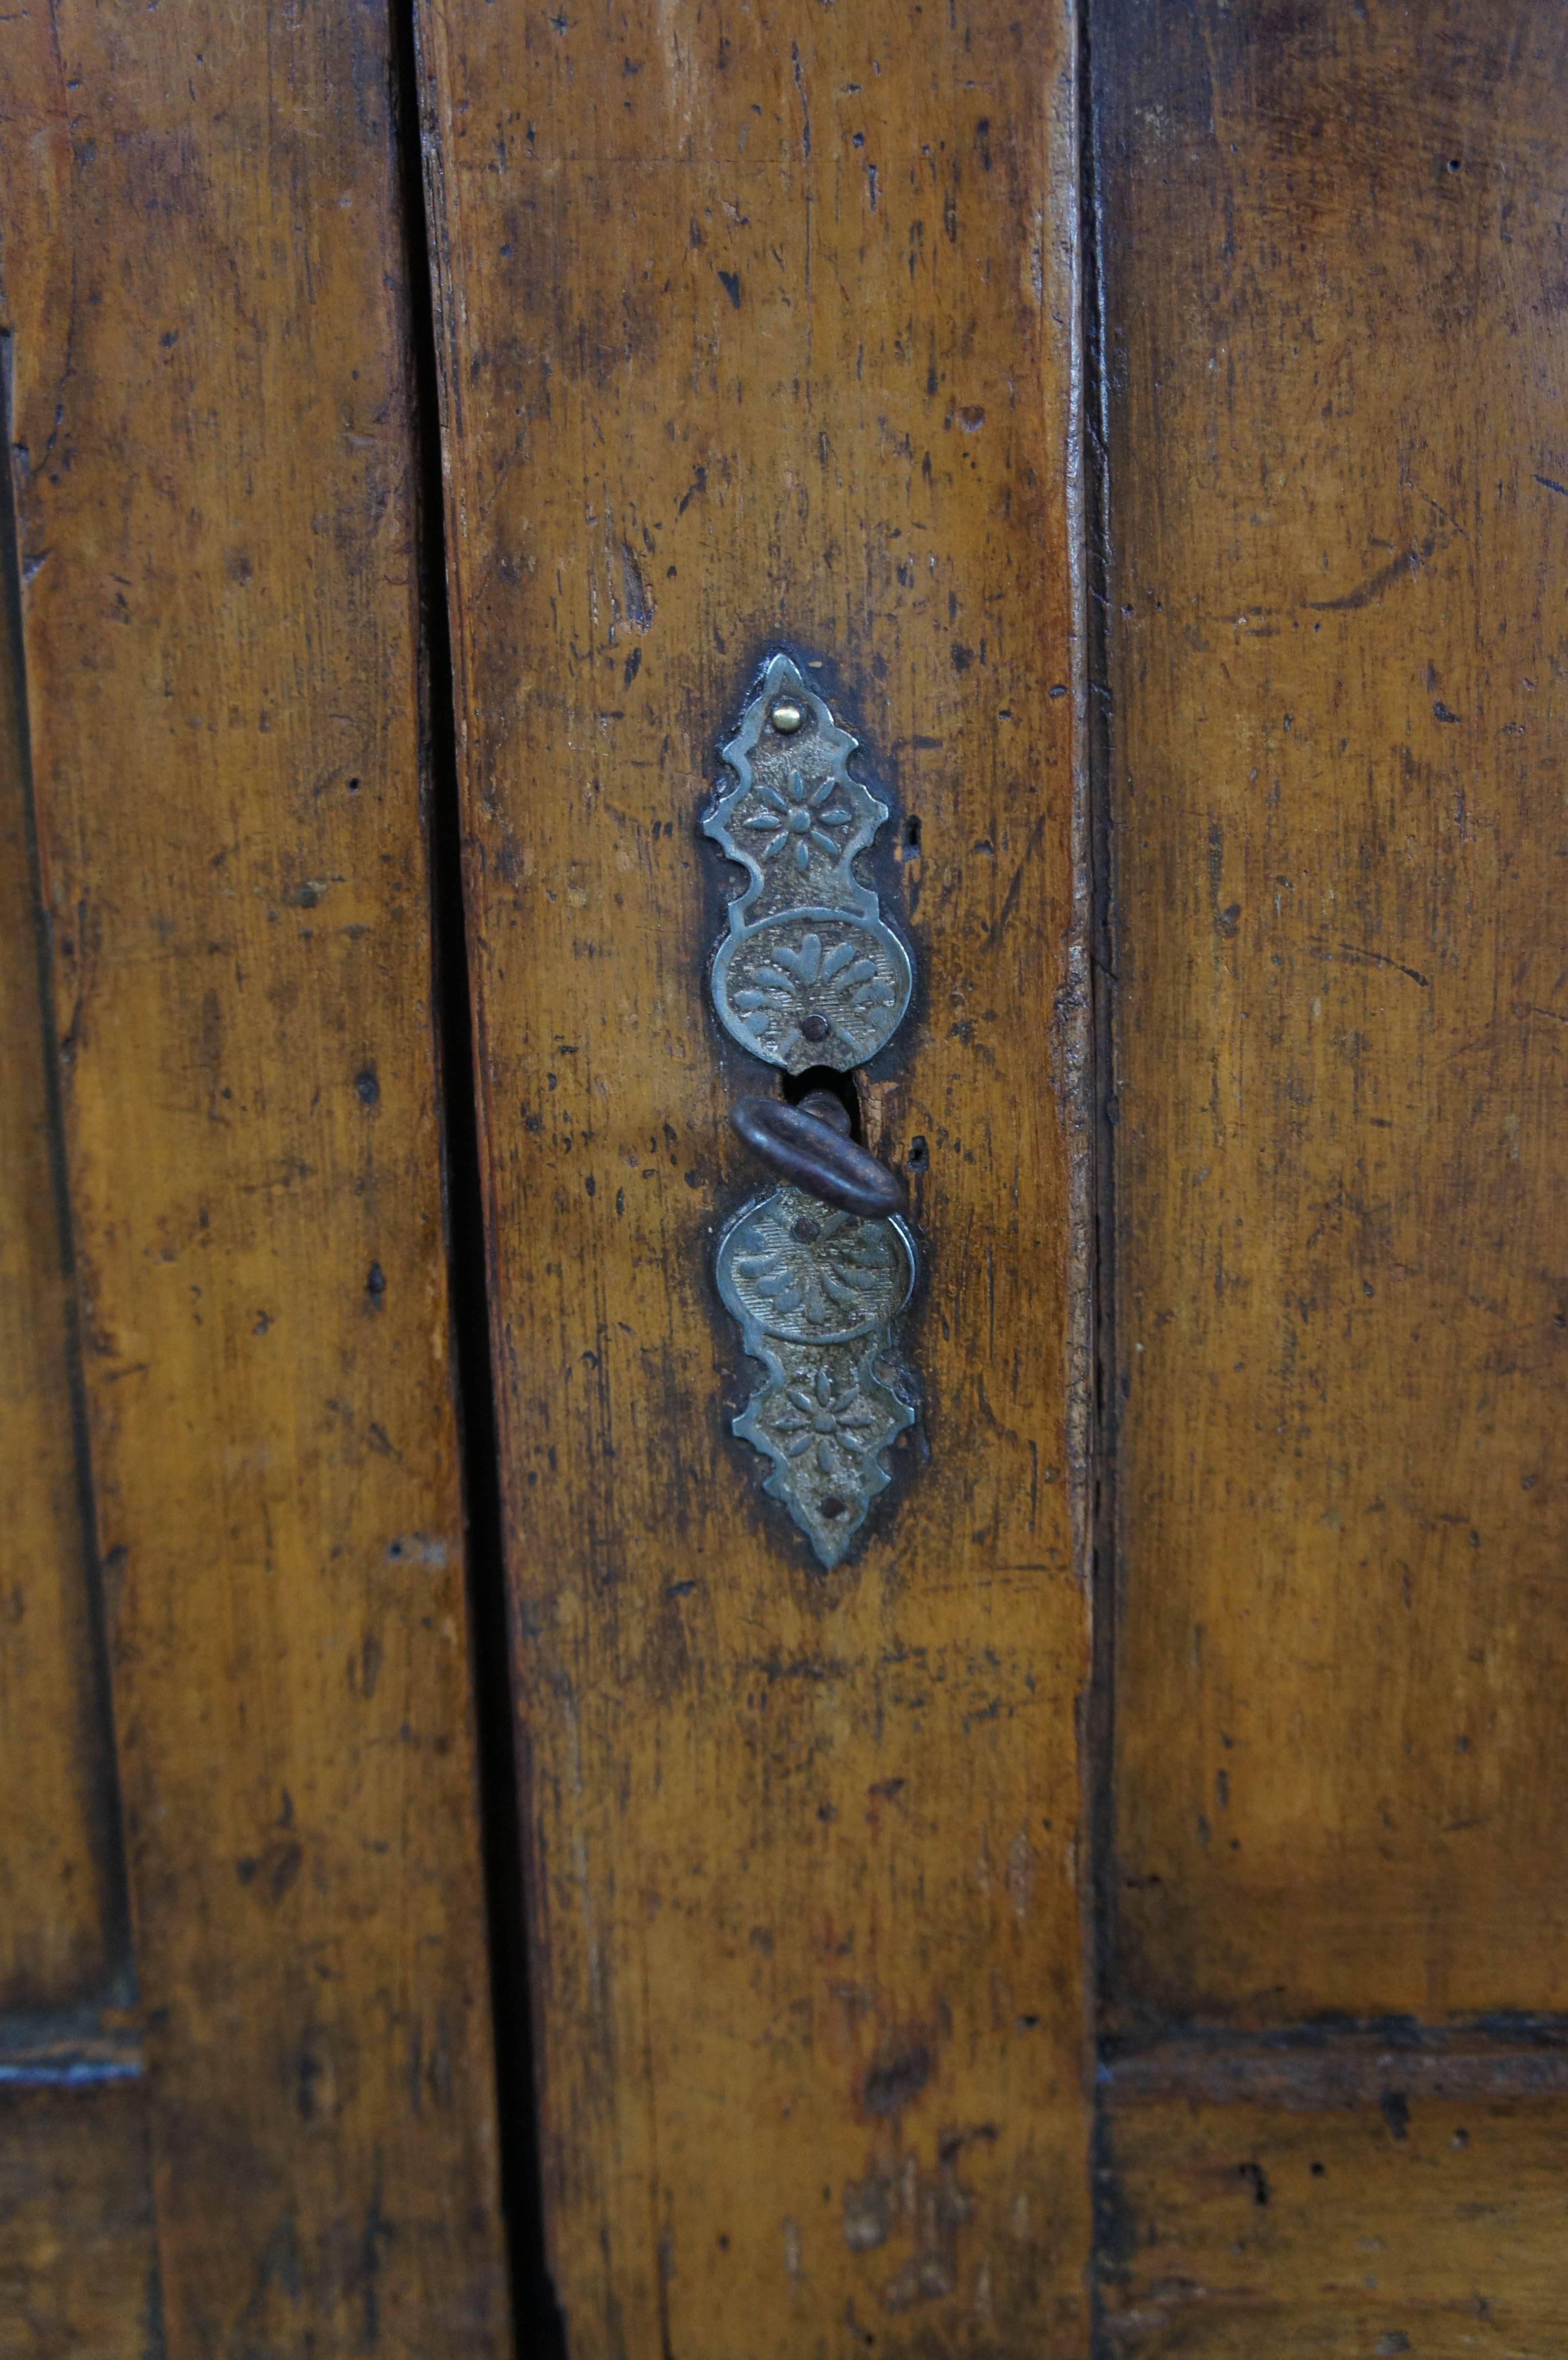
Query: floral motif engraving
x=801, y=818
x=825, y=1424
x=816, y=1292
x=805, y=1272
x=813, y=990
x=830, y=981
x=828, y=1415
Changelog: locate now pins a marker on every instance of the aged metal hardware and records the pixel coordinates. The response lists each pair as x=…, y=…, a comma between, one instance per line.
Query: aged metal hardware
x=817, y=1271
x=802, y=1148
x=808, y=974
x=817, y=1292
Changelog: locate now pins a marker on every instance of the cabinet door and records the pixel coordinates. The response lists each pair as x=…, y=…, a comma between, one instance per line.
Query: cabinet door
x=761, y=332
x=246, y=2086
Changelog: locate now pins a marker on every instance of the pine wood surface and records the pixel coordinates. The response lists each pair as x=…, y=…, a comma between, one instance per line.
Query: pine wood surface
x=203, y=287
x=1400, y=2225
x=1333, y=266
x=753, y=330
x=79, y=2275
x=62, y=1935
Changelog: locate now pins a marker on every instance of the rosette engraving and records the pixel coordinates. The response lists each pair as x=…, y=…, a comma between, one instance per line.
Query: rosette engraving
x=812, y=989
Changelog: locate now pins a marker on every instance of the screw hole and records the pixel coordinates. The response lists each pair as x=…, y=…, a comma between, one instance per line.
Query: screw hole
x=919, y=1157
x=912, y=833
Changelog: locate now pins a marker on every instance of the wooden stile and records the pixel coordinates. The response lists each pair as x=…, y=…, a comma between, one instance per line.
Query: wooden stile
x=756, y=333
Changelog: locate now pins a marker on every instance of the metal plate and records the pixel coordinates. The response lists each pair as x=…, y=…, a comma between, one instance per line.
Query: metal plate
x=809, y=973
x=817, y=1294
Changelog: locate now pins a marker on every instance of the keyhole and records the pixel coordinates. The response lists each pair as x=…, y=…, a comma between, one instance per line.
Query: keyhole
x=830, y=1083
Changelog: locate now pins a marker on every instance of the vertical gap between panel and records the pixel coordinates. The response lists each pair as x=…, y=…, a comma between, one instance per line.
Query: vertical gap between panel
x=1097, y=572
x=537, y=2323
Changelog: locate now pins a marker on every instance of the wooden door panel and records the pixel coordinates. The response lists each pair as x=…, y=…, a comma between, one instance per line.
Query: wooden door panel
x=1334, y=273
x=64, y=1941
x=205, y=296
x=763, y=329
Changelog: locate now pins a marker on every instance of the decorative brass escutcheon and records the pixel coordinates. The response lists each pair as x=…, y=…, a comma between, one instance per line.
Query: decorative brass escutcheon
x=818, y=1271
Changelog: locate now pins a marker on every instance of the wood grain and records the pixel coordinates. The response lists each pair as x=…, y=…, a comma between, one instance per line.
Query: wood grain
x=1338, y=527
x=1402, y=2225
x=63, y=1939
x=759, y=330
x=78, y=2254
x=203, y=286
